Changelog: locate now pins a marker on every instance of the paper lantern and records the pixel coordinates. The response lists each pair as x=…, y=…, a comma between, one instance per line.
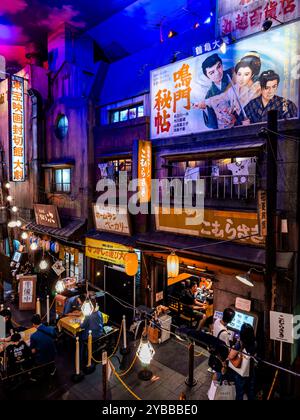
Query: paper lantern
x=131, y=264
x=56, y=248
x=47, y=245
x=173, y=265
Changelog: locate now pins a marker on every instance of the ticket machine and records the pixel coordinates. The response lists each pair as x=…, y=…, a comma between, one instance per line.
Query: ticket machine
x=241, y=317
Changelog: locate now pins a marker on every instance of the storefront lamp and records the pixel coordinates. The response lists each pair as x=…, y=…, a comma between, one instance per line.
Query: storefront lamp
x=245, y=279
x=43, y=265
x=18, y=223
x=9, y=198
x=24, y=235
x=7, y=185
x=34, y=246
x=131, y=264
x=173, y=265
x=14, y=209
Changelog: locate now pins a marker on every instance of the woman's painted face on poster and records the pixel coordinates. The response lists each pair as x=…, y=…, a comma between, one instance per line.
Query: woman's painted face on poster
x=244, y=76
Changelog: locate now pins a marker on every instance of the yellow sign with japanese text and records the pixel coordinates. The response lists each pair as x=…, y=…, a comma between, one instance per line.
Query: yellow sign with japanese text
x=17, y=122
x=106, y=251
x=219, y=225
x=145, y=170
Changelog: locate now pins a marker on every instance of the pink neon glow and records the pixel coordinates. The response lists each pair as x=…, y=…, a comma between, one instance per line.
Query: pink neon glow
x=12, y=6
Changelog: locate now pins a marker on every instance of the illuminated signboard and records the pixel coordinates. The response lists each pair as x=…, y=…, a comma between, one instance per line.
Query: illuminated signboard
x=106, y=251
x=245, y=17
x=145, y=170
x=112, y=219
x=218, y=91
x=17, y=124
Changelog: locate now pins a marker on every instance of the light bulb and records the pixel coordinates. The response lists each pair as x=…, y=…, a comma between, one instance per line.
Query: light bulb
x=14, y=209
x=60, y=286
x=7, y=185
x=87, y=307
x=223, y=48
x=24, y=235
x=12, y=224
x=34, y=246
x=145, y=351
x=18, y=223
x=9, y=198
x=43, y=265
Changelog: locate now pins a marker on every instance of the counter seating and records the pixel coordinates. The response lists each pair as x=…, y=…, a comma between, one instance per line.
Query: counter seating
x=181, y=312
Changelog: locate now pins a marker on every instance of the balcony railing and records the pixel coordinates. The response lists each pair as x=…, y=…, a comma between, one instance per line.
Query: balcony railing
x=223, y=187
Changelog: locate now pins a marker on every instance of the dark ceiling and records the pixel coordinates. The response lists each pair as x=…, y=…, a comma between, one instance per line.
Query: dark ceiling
x=120, y=27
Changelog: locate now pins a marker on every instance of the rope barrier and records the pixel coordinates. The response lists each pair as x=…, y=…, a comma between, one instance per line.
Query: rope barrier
x=121, y=374
x=99, y=362
x=122, y=382
x=27, y=371
x=45, y=316
x=273, y=385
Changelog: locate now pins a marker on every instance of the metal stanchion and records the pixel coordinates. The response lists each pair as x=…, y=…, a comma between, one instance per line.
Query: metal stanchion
x=38, y=307
x=48, y=310
x=124, y=350
x=104, y=375
x=90, y=367
x=190, y=380
x=77, y=376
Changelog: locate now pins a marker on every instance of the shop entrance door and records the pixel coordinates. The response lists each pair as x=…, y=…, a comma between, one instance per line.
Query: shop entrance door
x=121, y=286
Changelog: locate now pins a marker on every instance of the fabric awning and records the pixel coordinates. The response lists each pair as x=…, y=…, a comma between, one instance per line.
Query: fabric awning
x=204, y=247
x=68, y=229
x=112, y=237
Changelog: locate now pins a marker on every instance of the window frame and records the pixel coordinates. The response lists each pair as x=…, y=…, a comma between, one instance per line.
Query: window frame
x=54, y=188
x=128, y=108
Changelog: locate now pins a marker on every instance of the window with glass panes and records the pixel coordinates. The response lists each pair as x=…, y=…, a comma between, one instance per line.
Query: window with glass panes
x=62, y=180
x=125, y=114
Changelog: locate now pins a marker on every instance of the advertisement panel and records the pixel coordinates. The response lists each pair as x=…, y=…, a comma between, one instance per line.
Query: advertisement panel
x=106, y=251
x=217, y=91
x=246, y=17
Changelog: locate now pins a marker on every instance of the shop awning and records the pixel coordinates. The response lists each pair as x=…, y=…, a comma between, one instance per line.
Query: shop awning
x=112, y=237
x=68, y=229
x=203, y=247
x=221, y=148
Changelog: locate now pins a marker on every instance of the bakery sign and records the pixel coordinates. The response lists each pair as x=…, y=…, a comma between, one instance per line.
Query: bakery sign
x=112, y=219
x=17, y=128
x=245, y=17
x=47, y=215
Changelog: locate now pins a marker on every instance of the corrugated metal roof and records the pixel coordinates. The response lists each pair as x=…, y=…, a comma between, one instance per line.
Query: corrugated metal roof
x=112, y=237
x=69, y=228
x=201, y=246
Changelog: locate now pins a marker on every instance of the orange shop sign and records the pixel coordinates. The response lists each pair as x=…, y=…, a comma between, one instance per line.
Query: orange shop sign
x=106, y=251
x=219, y=225
x=145, y=170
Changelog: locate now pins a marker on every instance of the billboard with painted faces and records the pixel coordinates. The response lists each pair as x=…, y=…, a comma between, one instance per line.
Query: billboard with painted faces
x=218, y=91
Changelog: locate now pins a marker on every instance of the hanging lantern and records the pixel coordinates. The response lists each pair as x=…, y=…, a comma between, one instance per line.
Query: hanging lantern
x=43, y=265
x=34, y=246
x=24, y=236
x=87, y=307
x=173, y=265
x=47, y=245
x=56, y=248
x=145, y=351
x=131, y=264
x=60, y=286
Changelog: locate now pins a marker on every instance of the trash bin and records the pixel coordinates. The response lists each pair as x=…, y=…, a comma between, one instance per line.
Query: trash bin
x=165, y=321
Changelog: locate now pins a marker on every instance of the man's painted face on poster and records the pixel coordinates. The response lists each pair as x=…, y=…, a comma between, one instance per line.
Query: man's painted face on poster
x=244, y=76
x=270, y=90
x=215, y=73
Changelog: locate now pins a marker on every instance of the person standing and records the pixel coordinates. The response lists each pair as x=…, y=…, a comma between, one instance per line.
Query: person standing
x=244, y=375
x=220, y=326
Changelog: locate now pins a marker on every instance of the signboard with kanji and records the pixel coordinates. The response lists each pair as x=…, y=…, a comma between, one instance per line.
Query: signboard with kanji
x=17, y=128
x=219, y=225
x=112, y=219
x=106, y=251
x=145, y=170
x=282, y=327
x=27, y=293
x=47, y=215
x=216, y=90
x=245, y=17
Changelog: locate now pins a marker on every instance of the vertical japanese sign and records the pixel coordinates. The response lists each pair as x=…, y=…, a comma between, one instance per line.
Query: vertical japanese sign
x=27, y=295
x=262, y=212
x=17, y=128
x=145, y=170
x=245, y=17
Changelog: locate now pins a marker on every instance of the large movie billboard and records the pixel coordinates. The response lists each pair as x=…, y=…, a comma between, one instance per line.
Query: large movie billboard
x=218, y=91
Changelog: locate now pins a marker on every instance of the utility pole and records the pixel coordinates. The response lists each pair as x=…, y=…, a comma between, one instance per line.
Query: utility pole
x=270, y=277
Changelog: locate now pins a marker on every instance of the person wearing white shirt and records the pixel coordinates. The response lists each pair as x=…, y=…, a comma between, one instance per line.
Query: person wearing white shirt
x=220, y=326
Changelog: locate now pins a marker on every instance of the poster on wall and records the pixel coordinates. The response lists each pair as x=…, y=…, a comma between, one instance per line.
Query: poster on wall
x=246, y=17
x=218, y=91
x=27, y=293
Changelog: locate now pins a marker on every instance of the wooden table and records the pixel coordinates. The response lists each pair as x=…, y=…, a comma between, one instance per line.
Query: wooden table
x=71, y=323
